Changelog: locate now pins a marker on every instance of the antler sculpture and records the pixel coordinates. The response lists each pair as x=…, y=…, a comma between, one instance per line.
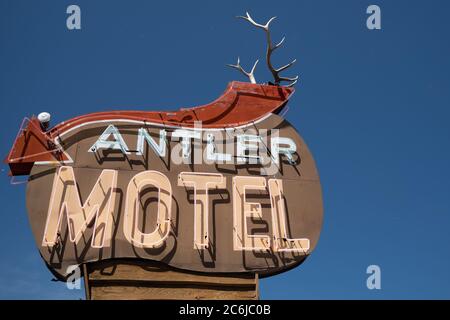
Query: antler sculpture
x=250, y=74
x=270, y=49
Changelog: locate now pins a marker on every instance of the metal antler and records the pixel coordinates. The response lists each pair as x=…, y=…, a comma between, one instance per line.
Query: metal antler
x=250, y=74
x=271, y=48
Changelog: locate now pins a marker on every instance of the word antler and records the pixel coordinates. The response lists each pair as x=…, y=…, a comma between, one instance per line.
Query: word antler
x=270, y=49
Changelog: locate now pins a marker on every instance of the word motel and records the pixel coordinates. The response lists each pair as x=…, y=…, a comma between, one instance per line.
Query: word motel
x=98, y=209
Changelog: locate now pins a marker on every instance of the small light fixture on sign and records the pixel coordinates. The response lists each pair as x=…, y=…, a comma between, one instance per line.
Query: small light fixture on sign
x=44, y=119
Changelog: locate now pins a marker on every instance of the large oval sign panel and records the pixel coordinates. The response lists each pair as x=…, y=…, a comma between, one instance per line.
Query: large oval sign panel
x=244, y=199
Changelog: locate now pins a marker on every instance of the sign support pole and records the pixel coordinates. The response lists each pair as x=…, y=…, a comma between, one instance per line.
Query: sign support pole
x=132, y=279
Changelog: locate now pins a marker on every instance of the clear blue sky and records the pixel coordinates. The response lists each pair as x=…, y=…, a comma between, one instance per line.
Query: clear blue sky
x=374, y=107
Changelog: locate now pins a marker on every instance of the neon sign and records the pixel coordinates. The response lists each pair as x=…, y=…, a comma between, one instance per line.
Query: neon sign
x=233, y=195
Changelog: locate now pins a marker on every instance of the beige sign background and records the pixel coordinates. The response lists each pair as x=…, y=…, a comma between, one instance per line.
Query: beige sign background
x=214, y=217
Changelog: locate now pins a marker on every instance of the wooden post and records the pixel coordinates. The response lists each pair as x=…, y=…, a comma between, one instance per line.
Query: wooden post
x=141, y=279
